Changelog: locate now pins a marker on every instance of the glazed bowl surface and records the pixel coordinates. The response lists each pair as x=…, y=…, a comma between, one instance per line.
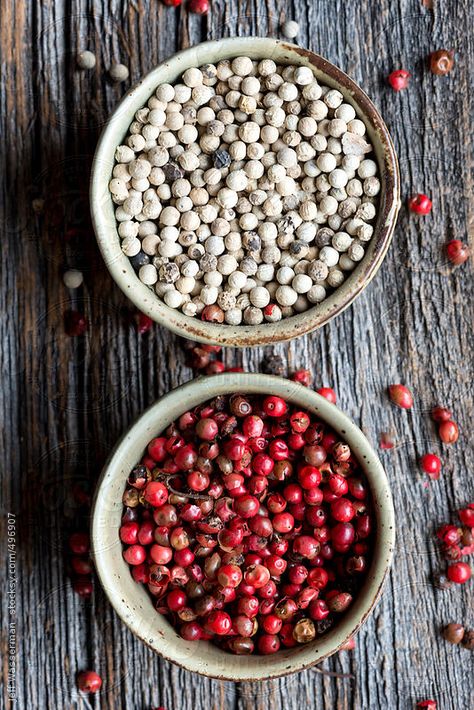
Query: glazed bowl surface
x=132, y=602
x=102, y=206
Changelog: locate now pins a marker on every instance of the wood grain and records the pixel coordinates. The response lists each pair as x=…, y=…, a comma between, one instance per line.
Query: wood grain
x=64, y=401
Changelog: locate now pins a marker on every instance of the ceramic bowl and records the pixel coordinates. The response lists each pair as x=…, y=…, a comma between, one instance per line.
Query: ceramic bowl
x=102, y=206
x=131, y=600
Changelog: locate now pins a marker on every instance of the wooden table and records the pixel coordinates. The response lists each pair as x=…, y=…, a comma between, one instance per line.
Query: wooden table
x=65, y=401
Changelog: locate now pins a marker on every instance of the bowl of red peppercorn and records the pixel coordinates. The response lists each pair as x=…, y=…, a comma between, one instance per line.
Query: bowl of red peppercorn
x=336, y=239
x=243, y=515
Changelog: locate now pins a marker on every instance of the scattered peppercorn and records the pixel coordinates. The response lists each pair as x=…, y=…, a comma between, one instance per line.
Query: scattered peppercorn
x=453, y=633
x=459, y=572
x=440, y=414
x=442, y=62
x=274, y=365
x=448, y=432
x=457, y=252
x=420, y=204
x=426, y=705
x=466, y=515
x=328, y=393
x=401, y=396
x=143, y=323
x=86, y=60
x=172, y=3
x=73, y=278
x=75, y=323
x=441, y=581
x=118, y=72
x=431, y=465
x=349, y=645
x=290, y=29
x=89, y=682
x=199, y=7
x=468, y=640
x=387, y=440
x=399, y=79
x=304, y=377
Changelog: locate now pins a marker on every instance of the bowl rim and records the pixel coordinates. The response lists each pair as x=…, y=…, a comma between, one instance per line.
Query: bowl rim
x=152, y=421
x=102, y=208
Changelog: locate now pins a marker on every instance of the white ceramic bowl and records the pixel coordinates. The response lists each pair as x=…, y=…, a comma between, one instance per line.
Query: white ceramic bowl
x=102, y=207
x=131, y=600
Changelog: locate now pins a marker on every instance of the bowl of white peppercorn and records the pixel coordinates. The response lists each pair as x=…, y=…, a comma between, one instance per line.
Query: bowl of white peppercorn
x=244, y=192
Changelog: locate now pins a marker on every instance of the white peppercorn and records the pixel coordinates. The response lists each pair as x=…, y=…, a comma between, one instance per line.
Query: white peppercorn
x=316, y=294
x=86, y=60
x=335, y=277
x=329, y=256
x=253, y=315
x=118, y=72
x=289, y=29
x=356, y=251
x=371, y=186
x=73, y=278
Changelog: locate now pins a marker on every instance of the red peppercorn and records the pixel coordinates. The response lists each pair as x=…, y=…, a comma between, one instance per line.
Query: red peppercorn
x=338, y=484
x=81, y=565
x=129, y=533
x=387, y=440
x=283, y=522
x=172, y=3
x=176, y=600
x=160, y=554
x=274, y=406
x=420, y=204
x=246, y=506
x=268, y=644
x=309, y=477
x=459, y=572
x=348, y=645
x=306, y=546
x=401, y=396
x=286, y=635
x=426, y=705
x=399, y=79
x=466, y=515
x=199, y=7
x=328, y=393
x=342, y=536
x=79, y=543
x=431, y=465
x=448, y=432
x=262, y=464
x=156, y=448
x=75, y=323
x=156, y=493
x=82, y=585
x=143, y=323
x=207, y=429
x=342, y=510
x=304, y=377
x=440, y=414
x=299, y=422
x=457, y=252
x=441, y=62
x=89, y=682
x=135, y=555
x=191, y=631
x=318, y=610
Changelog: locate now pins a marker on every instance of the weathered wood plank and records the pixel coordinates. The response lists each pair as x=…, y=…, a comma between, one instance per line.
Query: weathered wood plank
x=64, y=403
